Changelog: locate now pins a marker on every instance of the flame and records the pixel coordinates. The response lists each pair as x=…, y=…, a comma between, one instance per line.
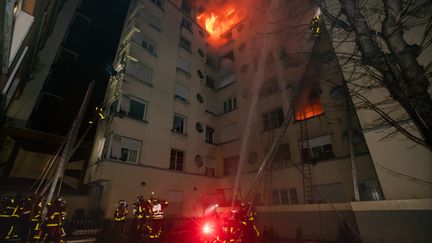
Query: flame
x=309, y=109
x=219, y=19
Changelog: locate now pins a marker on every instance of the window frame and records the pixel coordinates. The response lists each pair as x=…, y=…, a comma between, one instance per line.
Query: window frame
x=184, y=124
x=273, y=119
x=176, y=161
x=185, y=44
x=186, y=24
x=229, y=104
x=210, y=135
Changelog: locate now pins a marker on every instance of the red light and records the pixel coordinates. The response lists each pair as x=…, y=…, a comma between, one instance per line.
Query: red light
x=207, y=229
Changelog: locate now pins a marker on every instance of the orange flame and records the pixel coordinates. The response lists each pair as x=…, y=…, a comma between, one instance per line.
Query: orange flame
x=219, y=20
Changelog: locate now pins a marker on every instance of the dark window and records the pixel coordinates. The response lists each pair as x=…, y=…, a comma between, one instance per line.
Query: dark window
x=200, y=52
x=230, y=165
x=282, y=156
x=185, y=23
x=137, y=109
x=185, y=44
x=273, y=119
x=230, y=104
x=210, y=82
x=322, y=152
x=176, y=159
x=209, y=135
x=199, y=127
x=186, y=6
x=159, y=3
x=179, y=124
x=128, y=155
x=284, y=196
x=229, y=55
x=275, y=197
x=269, y=87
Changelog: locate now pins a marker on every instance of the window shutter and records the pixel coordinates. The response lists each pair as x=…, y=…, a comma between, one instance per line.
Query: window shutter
x=319, y=141
x=130, y=144
x=100, y=148
x=181, y=91
x=230, y=133
x=183, y=65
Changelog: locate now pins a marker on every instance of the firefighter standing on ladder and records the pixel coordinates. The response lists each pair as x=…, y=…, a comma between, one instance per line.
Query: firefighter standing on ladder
x=52, y=228
x=157, y=207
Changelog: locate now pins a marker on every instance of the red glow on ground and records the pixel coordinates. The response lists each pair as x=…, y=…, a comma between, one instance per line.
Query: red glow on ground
x=219, y=19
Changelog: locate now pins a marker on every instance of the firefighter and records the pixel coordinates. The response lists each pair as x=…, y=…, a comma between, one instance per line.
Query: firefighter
x=52, y=228
x=247, y=217
x=142, y=215
x=157, y=215
x=232, y=226
x=120, y=216
x=24, y=212
x=9, y=217
x=36, y=229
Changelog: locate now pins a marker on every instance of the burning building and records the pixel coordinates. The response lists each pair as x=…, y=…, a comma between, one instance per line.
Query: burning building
x=201, y=92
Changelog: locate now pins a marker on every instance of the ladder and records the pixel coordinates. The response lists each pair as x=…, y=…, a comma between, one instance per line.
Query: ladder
x=306, y=161
x=268, y=185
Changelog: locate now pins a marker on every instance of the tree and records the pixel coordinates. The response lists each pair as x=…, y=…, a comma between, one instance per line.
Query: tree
x=383, y=52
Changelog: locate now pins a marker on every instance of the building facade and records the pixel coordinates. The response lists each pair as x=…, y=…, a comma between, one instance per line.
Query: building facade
x=191, y=116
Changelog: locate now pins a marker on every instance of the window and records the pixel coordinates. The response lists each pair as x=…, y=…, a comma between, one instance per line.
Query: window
x=158, y=3
x=210, y=82
x=185, y=23
x=185, y=44
x=145, y=42
x=183, y=65
x=230, y=133
x=179, y=124
x=370, y=190
x=181, y=92
x=229, y=55
x=140, y=71
x=282, y=156
x=200, y=74
x=309, y=107
x=230, y=165
x=209, y=135
x=230, y=104
x=320, y=148
x=176, y=159
x=133, y=107
x=152, y=20
x=284, y=196
x=269, y=87
x=186, y=6
x=125, y=149
x=273, y=119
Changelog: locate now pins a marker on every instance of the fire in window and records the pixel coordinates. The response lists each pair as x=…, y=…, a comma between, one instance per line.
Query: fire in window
x=308, y=106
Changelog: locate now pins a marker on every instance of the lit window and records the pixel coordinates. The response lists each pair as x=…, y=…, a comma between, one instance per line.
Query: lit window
x=179, y=124
x=133, y=107
x=230, y=104
x=209, y=135
x=185, y=44
x=273, y=119
x=185, y=23
x=309, y=107
x=125, y=149
x=176, y=159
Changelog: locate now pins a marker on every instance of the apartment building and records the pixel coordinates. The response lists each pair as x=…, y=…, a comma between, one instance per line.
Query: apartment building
x=191, y=115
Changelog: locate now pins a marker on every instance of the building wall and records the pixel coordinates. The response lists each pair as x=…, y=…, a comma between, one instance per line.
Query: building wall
x=393, y=155
x=240, y=132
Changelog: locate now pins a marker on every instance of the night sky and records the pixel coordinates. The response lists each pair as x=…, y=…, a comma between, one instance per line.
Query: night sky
x=96, y=44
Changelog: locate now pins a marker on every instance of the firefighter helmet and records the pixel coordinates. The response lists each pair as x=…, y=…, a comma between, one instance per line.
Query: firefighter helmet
x=123, y=203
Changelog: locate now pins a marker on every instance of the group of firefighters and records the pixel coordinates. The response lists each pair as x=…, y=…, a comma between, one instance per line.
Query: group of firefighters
x=237, y=226
x=148, y=218
x=21, y=218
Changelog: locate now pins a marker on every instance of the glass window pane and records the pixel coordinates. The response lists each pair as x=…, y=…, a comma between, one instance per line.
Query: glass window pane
x=136, y=110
